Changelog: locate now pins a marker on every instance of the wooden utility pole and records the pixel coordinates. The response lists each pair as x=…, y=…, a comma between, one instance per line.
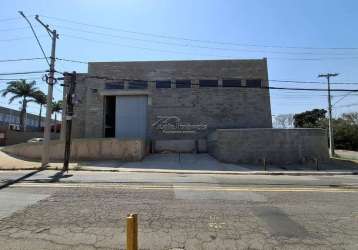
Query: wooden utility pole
x=330, y=129
x=68, y=117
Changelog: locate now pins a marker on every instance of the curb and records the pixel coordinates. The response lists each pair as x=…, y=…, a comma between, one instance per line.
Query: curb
x=160, y=171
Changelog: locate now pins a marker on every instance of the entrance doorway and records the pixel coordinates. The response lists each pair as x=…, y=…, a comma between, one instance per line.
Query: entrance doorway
x=131, y=117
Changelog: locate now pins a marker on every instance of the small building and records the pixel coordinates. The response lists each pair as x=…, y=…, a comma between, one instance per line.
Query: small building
x=10, y=118
x=10, y=127
x=175, y=106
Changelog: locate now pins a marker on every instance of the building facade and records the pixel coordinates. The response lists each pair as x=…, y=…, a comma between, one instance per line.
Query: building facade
x=171, y=99
x=11, y=118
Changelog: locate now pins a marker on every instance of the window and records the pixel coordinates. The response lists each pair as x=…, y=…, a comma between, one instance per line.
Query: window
x=253, y=83
x=183, y=84
x=208, y=83
x=163, y=84
x=137, y=85
x=231, y=83
x=114, y=85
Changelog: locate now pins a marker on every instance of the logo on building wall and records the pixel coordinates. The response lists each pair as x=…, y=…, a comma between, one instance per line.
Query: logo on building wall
x=173, y=124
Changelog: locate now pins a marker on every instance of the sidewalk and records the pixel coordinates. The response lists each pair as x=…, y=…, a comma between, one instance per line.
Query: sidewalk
x=187, y=164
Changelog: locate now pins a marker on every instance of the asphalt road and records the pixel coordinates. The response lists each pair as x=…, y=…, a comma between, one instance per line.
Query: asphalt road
x=87, y=210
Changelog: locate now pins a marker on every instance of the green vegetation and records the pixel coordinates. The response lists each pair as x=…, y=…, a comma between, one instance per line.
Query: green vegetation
x=345, y=128
x=24, y=91
x=56, y=108
x=41, y=99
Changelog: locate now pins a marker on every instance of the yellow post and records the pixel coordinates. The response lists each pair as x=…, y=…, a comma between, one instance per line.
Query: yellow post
x=132, y=232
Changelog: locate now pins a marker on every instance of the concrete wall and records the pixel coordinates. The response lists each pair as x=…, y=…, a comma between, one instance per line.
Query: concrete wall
x=84, y=149
x=278, y=146
x=217, y=107
x=15, y=137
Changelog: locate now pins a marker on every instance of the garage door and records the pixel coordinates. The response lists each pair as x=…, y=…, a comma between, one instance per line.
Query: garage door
x=131, y=116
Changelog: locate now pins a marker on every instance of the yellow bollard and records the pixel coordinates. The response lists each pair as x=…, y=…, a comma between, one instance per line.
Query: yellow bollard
x=132, y=232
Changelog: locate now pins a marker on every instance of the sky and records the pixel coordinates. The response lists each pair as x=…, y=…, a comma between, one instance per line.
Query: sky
x=300, y=38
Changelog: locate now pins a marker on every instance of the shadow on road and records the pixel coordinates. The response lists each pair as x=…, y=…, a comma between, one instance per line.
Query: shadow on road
x=54, y=178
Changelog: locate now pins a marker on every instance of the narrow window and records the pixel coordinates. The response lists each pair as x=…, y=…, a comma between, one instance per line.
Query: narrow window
x=208, y=83
x=114, y=85
x=182, y=84
x=253, y=83
x=163, y=84
x=137, y=85
x=232, y=83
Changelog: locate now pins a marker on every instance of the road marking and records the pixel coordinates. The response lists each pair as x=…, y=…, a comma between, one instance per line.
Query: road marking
x=192, y=188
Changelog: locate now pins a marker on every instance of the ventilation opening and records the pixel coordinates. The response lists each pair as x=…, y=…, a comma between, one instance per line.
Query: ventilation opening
x=232, y=83
x=183, y=84
x=163, y=84
x=208, y=83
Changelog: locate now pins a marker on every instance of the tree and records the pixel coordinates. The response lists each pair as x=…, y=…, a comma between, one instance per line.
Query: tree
x=351, y=117
x=56, y=108
x=345, y=128
x=283, y=121
x=20, y=89
x=41, y=99
x=309, y=119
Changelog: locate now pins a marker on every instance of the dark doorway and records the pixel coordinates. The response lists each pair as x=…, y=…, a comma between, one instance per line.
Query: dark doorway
x=110, y=116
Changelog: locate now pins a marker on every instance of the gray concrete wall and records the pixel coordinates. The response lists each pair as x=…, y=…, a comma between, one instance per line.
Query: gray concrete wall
x=15, y=137
x=216, y=107
x=83, y=149
x=277, y=146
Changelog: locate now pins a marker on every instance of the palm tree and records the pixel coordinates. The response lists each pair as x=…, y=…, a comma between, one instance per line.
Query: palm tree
x=56, y=108
x=41, y=99
x=20, y=89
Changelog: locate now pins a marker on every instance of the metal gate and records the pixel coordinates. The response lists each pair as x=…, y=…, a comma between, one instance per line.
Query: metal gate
x=131, y=116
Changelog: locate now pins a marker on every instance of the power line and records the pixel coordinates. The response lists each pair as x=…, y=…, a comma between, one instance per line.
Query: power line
x=347, y=106
x=196, y=54
x=70, y=60
x=23, y=73
x=11, y=19
x=194, y=46
x=37, y=39
x=142, y=48
x=22, y=59
x=248, y=87
x=17, y=38
x=313, y=82
x=14, y=79
x=196, y=40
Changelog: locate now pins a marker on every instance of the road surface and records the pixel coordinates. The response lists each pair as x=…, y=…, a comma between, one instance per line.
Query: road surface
x=87, y=210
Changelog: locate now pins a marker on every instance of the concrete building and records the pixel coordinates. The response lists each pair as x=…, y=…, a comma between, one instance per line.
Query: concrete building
x=173, y=105
x=11, y=117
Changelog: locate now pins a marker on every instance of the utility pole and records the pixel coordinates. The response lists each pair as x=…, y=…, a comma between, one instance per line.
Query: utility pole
x=51, y=80
x=330, y=129
x=68, y=116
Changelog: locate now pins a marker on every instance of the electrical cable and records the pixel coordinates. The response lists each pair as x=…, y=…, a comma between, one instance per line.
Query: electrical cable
x=248, y=87
x=21, y=59
x=195, y=46
x=196, y=40
x=37, y=39
x=201, y=54
x=24, y=73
